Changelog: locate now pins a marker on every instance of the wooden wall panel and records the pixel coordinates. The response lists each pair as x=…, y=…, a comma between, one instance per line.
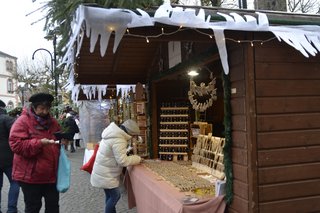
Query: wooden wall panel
x=289, y=156
x=276, y=88
x=280, y=52
x=239, y=134
x=283, y=122
x=237, y=73
x=283, y=139
x=239, y=140
x=276, y=127
x=238, y=106
x=239, y=87
x=288, y=129
x=239, y=205
x=240, y=188
x=281, y=174
x=291, y=190
x=239, y=122
x=281, y=105
x=281, y=70
x=305, y=204
x=240, y=172
x=240, y=156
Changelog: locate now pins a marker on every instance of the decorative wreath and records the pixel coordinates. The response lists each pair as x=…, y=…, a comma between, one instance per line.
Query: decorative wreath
x=199, y=92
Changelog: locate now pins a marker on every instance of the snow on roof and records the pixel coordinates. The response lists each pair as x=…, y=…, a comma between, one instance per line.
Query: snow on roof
x=101, y=21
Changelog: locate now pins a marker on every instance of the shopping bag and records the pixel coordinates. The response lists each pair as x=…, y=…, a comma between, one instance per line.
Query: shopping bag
x=89, y=165
x=64, y=171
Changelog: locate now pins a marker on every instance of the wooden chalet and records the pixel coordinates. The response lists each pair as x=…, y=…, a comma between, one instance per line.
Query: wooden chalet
x=275, y=101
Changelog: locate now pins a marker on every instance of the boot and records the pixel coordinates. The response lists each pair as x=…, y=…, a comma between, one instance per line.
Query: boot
x=72, y=149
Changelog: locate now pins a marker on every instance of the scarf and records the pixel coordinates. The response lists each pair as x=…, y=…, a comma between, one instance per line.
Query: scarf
x=44, y=122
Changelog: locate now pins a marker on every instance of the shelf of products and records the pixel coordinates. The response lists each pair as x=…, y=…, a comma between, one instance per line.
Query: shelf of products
x=208, y=155
x=141, y=119
x=198, y=128
x=174, y=132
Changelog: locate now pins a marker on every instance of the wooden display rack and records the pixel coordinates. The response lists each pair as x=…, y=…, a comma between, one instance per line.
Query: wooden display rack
x=198, y=128
x=174, y=133
x=208, y=155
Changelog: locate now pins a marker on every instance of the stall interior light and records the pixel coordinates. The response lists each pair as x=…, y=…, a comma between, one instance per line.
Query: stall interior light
x=193, y=73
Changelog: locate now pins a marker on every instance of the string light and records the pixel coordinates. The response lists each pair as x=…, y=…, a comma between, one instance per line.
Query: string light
x=163, y=33
x=252, y=42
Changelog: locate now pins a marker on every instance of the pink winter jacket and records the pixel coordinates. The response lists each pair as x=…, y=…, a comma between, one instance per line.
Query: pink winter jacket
x=33, y=162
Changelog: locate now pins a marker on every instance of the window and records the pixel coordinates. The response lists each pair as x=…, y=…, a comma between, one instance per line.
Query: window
x=10, y=86
x=9, y=65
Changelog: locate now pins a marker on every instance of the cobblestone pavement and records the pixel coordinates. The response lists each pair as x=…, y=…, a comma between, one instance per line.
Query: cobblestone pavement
x=80, y=198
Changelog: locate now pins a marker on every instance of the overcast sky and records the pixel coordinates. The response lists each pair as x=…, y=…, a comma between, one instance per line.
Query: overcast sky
x=18, y=37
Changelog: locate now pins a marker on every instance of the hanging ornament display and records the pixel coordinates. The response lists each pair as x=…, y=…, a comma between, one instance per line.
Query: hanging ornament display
x=202, y=97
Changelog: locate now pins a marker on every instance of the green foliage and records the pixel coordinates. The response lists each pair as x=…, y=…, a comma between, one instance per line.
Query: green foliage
x=60, y=14
x=227, y=149
x=15, y=112
x=214, y=3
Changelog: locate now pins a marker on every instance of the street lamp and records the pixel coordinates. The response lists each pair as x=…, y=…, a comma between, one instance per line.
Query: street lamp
x=54, y=73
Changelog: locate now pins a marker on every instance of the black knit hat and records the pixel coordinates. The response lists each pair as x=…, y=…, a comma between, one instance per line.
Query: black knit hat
x=38, y=98
x=2, y=104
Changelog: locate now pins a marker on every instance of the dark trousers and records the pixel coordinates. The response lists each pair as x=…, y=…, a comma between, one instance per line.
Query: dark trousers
x=33, y=194
x=77, y=141
x=72, y=149
x=13, y=190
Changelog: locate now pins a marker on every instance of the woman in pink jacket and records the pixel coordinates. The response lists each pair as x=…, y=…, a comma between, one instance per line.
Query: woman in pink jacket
x=36, y=154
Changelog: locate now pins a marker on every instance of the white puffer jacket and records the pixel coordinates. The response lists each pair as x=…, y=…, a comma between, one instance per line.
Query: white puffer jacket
x=111, y=158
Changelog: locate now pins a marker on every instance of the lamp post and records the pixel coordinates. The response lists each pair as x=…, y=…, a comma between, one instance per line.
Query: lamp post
x=54, y=73
x=22, y=88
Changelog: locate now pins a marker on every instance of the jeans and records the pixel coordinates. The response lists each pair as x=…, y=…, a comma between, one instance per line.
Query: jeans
x=112, y=197
x=33, y=194
x=13, y=190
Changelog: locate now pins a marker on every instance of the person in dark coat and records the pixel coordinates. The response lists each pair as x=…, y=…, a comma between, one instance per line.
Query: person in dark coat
x=36, y=154
x=6, y=159
x=71, y=128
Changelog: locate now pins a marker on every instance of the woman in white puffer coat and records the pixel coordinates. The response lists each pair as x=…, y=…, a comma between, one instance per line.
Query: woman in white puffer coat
x=111, y=158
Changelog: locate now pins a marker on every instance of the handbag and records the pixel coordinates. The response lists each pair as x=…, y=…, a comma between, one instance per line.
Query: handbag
x=64, y=171
x=89, y=165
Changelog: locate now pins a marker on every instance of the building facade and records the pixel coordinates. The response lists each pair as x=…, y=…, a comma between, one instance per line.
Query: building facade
x=8, y=94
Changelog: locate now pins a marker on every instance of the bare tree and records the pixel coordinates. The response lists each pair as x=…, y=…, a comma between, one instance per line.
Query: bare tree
x=220, y=3
x=35, y=77
x=304, y=6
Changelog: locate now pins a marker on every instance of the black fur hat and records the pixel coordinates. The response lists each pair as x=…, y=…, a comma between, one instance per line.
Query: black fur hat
x=41, y=98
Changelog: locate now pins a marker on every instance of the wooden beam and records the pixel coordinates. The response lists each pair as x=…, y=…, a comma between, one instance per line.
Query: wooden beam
x=105, y=79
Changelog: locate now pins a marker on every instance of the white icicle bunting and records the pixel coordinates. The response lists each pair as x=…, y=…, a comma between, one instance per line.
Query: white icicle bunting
x=221, y=44
x=104, y=21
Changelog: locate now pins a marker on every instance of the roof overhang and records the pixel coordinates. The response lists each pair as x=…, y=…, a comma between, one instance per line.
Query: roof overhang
x=119, y=46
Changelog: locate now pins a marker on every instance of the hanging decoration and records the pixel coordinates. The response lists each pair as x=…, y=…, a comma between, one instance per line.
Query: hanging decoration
x=101, y=22
x=197, y=93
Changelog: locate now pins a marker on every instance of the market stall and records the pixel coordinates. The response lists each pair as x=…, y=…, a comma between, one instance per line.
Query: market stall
x=263, y=103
